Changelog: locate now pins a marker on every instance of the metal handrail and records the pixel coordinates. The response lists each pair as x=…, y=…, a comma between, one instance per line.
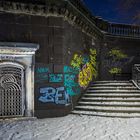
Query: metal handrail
x=136, y=75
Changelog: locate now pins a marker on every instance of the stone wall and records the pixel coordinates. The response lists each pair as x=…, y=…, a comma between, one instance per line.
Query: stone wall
x=65, y=61
x=126, y=54
x=72, y=53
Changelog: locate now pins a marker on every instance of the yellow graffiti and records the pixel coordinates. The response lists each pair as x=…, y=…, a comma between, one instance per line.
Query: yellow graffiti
x=117, y=54
x=77, y=61
x=93, y=52
x=85, y=76
x=87, y=70
x=93, y=57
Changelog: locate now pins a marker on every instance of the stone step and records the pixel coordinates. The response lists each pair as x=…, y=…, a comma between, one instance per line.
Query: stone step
x=109, y=109
x=112, y=95
x=110, y=98
x=113, y=88
x=113, y=99
x=111, y=84
x=109, y=104
x=111, y=91
x=105, y=114
x=114, y=81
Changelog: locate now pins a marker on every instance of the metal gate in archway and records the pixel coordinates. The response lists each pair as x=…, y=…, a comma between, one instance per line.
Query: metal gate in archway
x=11, y=89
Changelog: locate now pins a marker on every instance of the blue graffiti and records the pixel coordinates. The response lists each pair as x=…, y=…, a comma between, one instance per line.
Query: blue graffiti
x=68, y=69
x=54, y=95
x=69, y=80
x=72, y=87
x=86, y=59
x=42, y=70
x=56, y=78
x=73, y=90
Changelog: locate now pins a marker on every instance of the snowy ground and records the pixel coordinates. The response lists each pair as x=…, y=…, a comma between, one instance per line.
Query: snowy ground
x=71, y=127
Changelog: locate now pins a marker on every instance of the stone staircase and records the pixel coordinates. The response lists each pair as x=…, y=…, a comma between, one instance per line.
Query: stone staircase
x=110, y=98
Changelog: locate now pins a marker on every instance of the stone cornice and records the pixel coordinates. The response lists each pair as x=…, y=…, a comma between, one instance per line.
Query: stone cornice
x=18, y=48
x=62, y=8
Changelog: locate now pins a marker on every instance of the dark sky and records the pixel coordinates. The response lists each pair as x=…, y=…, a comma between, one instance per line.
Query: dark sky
x=120, y=11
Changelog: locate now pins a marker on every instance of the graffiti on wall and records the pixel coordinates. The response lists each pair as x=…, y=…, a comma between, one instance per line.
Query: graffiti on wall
x=86, y=59
x=85, y=75
x=70, y=80
x=79, y=74
x=69, y=69
x=42, y=70
x=54, y=95
x=93, y=55
x=108, y=63
x=77, y=61
x=86, y=64
x=41, y=74
x=56, y=78
x=116, y=59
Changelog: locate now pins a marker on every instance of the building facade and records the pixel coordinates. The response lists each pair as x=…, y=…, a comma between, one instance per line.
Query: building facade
x=75, y=49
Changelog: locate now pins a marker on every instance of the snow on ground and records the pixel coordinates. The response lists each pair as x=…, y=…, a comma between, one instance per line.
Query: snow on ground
x=71, y=127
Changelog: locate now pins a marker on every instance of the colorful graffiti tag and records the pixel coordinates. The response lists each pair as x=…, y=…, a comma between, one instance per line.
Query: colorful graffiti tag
x=69, y=69
x=77, y=61
x=85, y=75
x=56, y=78
x=72, y=87
x=70, y=80
x=78, y=74
x=42, y=70
x=41, y=74
x=54, y=95
x=116, y=60
x=86, y=66
x=93, y=55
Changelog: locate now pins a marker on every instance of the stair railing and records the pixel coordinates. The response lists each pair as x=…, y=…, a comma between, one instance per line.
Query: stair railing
x=136, y=75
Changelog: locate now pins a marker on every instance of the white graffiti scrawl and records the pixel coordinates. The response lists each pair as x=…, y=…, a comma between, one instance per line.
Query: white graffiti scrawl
x=54, y=95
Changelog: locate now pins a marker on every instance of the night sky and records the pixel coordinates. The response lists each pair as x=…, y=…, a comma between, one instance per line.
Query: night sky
x=120, y=11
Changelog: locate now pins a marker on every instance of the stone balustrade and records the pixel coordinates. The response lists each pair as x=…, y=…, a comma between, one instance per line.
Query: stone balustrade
x=76, y=12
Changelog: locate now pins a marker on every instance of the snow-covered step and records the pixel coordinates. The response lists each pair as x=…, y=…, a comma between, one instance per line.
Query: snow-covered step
x=111, y=84
x=112, y=95
x=108, y=98
x=113, y=88
x=119, y=99
x=114, y=81
x=105, y=114
x=109, y=109
x=104, y=104
x=115, y=91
